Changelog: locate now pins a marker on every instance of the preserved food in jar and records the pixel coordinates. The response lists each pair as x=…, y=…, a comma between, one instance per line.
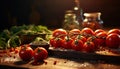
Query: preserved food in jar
x=70, y=21
x=92, y=20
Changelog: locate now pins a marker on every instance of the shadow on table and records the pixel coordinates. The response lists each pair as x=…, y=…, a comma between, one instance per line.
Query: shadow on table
x=85, y=57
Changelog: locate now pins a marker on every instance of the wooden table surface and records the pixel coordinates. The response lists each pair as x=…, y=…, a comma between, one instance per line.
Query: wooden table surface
x=63, y=60
x=61, y=64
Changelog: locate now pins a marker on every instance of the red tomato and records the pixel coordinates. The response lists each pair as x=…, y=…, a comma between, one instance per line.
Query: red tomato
x=26, y=53
x=59, y=33
x=101, y=38
x=73, y=33
x=88, y=47
x=40, y=54
x=56, y=42
x=101, y=35
x=95, y=40
x=98, y=31
x=82, y=38
x=52, y=41
x=66, y=43
x=87, y=32
x=77, y=45
x=113, y=40
x=114, y=31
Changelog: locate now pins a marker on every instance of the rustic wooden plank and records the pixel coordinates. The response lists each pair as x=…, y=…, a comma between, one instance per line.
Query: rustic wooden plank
x=61, y=64
x=65, y=59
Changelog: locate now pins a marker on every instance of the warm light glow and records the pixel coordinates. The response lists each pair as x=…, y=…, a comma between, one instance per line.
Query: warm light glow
x=76, y=8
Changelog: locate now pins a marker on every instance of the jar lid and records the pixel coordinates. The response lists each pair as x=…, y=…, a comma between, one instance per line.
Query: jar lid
x=93, y=14
x=70, y=14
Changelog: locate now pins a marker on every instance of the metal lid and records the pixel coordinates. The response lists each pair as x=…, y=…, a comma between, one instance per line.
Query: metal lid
x=94, y=14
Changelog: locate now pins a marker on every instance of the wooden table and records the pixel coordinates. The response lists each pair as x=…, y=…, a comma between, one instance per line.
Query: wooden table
x=64, y=60
x=61, y=64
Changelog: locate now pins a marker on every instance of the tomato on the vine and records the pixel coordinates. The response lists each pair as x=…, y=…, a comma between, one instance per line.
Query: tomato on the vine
x=56, y=42
x=88, y=46
x=40, y=54
x=77, y=45
x=74, y=33
x=95, y=40
x=101, y=35
x=101, y=38
x=60, y=33
x=52, y=41
x=98, y=40
x=98, y=31
x=82, y=38
x=117, y=31
x=66, y=43
x=26, y=53
x=113, y=40
x=87, y=32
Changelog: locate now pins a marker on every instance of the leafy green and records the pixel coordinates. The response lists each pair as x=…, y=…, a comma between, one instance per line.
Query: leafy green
x=10, y=38
x=2, y=43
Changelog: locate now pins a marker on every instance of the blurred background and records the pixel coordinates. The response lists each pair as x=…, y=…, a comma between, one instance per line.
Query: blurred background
x=51, y=12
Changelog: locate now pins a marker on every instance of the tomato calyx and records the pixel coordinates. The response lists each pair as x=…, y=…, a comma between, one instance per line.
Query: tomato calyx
x=88, y=43
x=67, y=38
x=76, y=42
x=92, y=38
x=79, y=36
x=24, y=48
x=57, y=39
x=38, y=51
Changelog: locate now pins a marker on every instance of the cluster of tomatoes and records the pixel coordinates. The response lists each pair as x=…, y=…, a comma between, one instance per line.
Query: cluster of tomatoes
x=26, y=53
x=85, y=40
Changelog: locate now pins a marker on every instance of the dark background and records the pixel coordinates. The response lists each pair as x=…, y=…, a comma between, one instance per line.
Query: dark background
x=51, y=12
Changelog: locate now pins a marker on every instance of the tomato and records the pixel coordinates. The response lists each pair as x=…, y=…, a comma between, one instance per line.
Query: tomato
x=26, y=53
x=87, y=32
x=114, y=31
x=52, y=41
x=40, y=54
x=101, y=35
x=95, y=40
x=66, y=43
x=98, y=31
x=77, y=45
x=56, y=42
x=113, y=40
x=98, y=40
x=101, y=39
x=82, y=38
x=73, y=33
x=59, y=33
x=88, y=47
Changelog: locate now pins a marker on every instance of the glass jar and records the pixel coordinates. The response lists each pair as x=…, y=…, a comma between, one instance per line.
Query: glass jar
x=70, y=21
x=92, y=20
